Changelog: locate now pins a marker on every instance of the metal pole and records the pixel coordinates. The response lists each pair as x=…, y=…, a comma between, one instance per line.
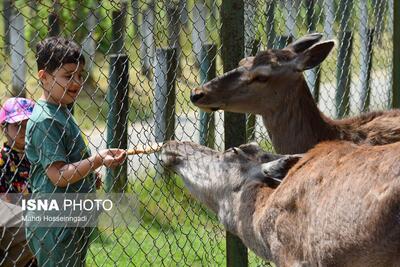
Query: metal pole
x=117, y=119
x=251, y=118
x=165, y=67
x=313, y=76
x=7, y=13
x=207, y=72
x=117, y=127
x=135, y=18
x=232, y=38
x=343, y=74
x=199, y=33
x=54, y=21
x=118, y=31
x=147, y=39
x=343, y=70
x=54, y=25
x=396, y=55
x=366, y=66
x=18, y=62
x=270, y=29
x=174, y=29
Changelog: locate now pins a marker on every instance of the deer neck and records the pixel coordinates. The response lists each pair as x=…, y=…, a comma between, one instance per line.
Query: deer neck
x=246, y=217
x=297, y=124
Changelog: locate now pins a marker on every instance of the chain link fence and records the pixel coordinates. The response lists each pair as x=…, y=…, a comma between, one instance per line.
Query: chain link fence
x=142, y=60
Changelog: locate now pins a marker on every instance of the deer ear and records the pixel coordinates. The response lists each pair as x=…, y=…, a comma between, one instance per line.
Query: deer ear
x=304, y=42
x=246, y=62
x=314, y=55
x=250, y=148
x=278, y=169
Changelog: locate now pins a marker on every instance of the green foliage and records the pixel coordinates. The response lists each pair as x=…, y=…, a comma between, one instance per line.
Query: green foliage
x=163, y=233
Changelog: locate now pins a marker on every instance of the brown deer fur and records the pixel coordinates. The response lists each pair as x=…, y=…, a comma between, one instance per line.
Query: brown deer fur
x=272, y=85
x=339, y=205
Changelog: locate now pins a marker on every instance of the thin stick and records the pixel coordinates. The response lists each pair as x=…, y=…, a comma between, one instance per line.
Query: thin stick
x=145, y=150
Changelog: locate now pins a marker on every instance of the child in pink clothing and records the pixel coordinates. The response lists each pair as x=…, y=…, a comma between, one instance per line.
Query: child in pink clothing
x=14, y=174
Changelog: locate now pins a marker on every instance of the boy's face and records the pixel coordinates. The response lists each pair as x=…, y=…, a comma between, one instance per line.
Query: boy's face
x=64, y=84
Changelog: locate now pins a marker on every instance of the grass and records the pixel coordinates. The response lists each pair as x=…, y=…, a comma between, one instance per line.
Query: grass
x=172, y=229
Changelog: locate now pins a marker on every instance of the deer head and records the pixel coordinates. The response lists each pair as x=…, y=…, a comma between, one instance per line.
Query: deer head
x=262, y=82
x=218, y=178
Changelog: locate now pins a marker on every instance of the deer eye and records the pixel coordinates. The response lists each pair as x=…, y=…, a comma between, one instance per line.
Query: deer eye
x=233, y=150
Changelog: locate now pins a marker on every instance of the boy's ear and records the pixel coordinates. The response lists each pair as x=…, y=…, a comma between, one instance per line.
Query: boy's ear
x=42, y=74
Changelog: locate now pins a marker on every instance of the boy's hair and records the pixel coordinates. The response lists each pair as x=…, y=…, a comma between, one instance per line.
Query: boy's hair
x=53, y=52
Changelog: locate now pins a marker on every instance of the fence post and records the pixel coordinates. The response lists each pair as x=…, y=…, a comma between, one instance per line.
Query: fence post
x=174, y=28
x=165, y=66
x=343, y=74
x=54, y=23
x=117, y=119
x=270, y=25
x=329, y=10
x=313, y=76
x=250, y=28
x=117, y=128
x=207, y=72
x=390, y=16
x=343, y=70
x=232, y=38
x=291, y=9
x=250, y=48
x=135, y=18
x=379, y=8
x=366, y=66
x=118, y=31
x=7, y=13
x=147, y=39
x=396, y=55
x=251, y=118
x=18, y=63
x=199, y=36
x=89, y=43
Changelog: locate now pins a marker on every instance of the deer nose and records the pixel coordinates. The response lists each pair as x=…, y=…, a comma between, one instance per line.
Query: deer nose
x=195, y=96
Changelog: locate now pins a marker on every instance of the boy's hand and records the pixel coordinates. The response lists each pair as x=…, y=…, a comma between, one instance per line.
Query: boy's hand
x=112, y=157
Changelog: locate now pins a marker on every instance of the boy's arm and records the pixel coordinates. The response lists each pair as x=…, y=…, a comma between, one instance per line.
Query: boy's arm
x=62, y=174
x=46, y=140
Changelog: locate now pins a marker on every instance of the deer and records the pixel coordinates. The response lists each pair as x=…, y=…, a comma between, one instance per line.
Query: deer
x=336, y=205
x=272, y=85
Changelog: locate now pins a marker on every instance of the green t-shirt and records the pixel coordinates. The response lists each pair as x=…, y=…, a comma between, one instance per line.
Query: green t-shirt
x=53, y=135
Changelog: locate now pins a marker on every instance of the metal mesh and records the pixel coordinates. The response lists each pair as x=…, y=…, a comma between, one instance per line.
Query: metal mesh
x=171, y=227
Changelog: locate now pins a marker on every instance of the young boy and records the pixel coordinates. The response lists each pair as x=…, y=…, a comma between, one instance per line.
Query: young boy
x=59, y=156
x=14, y=173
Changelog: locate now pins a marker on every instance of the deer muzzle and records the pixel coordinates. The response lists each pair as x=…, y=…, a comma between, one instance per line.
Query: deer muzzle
x=196, y=95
